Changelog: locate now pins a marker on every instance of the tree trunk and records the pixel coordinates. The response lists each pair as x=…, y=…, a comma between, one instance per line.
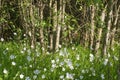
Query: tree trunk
x=41, y=8
x=107, y=35
x=98, y=39
x=32, y=32
x=114, y=27
x=92, y=26
x=58, y=26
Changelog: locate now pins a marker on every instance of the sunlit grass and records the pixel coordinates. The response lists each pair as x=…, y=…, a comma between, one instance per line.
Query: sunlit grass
x=18, y=61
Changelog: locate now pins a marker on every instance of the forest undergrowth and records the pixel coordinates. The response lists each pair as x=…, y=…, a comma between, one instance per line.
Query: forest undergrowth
x=20, y=62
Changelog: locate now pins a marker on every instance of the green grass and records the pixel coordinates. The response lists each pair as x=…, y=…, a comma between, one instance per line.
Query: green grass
x=19, y=62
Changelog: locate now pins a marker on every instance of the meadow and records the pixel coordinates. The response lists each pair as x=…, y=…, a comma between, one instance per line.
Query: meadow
x=20, y=62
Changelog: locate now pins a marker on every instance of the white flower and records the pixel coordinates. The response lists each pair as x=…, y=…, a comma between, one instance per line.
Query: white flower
x=63, y=69
x=43, y=48
x=91, y=57
x=83, y=71
x=30, y=66
x=57, y=60
x=24, y=35
x=45, y=69
x=7, y=49
x=28, y=58
x=36, y=71
x=108, y=54
x=78, y=57
x=13, y=63
x=27, y=78
x=5, y=71
x=22, y=52
x=43, y=76
x=21, y=76
x=15, y=33
x=105, y=62
x=60, y=46
x=53, y=65
x=12, y=56
x=35, y=77
x=93, y=74
x=52, y=61
x=62, y=76
x=73, y=48
x=69, y=76
x=81, y=77
x=61, y=53
x=69, y=63
x=24, y=48
x=61, y=64
x=102, y=76
x=2, y=39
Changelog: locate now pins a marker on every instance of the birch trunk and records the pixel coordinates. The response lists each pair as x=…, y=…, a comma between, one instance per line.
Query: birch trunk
x=41, y=8
x=107, y=35
x=92, y=26
x=32, y=32
x=102, y=18
x=114, y=27
x=50, y=27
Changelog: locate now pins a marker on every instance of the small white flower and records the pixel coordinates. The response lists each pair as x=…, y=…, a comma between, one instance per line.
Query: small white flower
x=32, y=46
x=36, y=71
x=102, y=76
x=24, y=35
x=83, y=71
x=27, y=78
x=28, y=58
x=47, y=53
x=61, y=64
x=61, y=53
x=63, y=69
x=35, y=77
x=108, y=54
x=24, y=48
x=53, y=65
x=43, y=76
x=5, y=71
x=57, y=60
x=52, y=61
x=13, y=63
x=93, y=74
x=78, y=57
x=2, y=39
x=43, y=48
x=73, y=48
x=81, y=77
x=7, y=49
x=69, y=76
x=21, y=76
x=22, y=52
x=12, y=56
x=30, y=66
x=45, y=69
x=105, y=62
x=62, y=77
x=15, y=33
x=60, y=46
x=91, y=57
